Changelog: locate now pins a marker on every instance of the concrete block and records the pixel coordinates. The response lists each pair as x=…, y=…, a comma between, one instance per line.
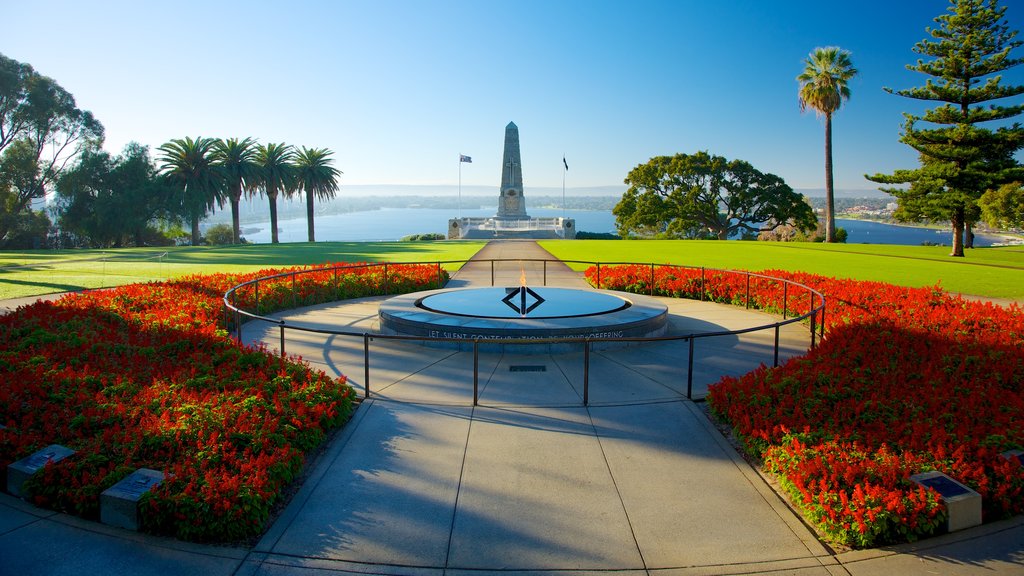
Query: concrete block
x=1015, y=455
x=20, y=471
x=119, y=504
x=962, y=503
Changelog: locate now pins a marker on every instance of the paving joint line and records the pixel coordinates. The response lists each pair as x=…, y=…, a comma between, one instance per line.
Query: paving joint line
x=618, y=493
x=487, y=381
x=411, y=374
x=458, y=489
x=561, y=370
x=642, y=375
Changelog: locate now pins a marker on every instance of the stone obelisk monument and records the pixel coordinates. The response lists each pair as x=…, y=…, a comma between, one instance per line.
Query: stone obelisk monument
x=511, y=203
x=511, y=221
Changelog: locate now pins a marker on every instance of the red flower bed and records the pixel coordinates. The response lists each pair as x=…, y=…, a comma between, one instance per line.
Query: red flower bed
x=906, y=380
x=146, y=376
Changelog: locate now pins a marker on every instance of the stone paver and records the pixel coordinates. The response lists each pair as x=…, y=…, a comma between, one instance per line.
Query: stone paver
x=388, y=497
x=537, y=494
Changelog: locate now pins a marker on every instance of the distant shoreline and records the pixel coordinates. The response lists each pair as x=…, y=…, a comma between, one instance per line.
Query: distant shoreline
x=1010, y=236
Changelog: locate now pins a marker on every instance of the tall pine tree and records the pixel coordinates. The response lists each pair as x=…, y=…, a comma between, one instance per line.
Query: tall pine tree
x=960, y=160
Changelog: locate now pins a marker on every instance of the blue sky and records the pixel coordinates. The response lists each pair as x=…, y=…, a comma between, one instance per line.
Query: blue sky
x=397, y=89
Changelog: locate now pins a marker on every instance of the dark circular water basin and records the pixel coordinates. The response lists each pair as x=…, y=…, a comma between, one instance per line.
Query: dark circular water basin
x=496, y=315
x=537, y=303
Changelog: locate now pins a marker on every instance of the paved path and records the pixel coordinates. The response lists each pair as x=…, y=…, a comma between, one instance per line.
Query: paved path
x=10, y=305
x=528, y=482
x=521, y=258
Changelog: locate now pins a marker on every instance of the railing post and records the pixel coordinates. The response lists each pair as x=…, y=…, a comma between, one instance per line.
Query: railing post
x=257, y=298
x=814, y=318
x=652, y=278
x=387, y=282
x=701, y=283
x=689, y=372
x=821, y=333
x=545, y=273
x=294, y=301
x=476, y=371
x=366, y=365
x=337, y=285
x=775, y=362
x=814, y=327
x=282, y=339
x=492, y=272
x=785, y=299
x=747, y=299
x=586, y=372
x=238, y=316
x=438, y=274
x=598, y=275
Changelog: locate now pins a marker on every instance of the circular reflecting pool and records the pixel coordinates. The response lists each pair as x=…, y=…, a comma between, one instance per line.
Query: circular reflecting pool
x=497, y=315
x=537, y=303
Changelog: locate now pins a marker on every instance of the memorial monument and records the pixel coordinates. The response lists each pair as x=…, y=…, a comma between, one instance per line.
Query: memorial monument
x=511, y=221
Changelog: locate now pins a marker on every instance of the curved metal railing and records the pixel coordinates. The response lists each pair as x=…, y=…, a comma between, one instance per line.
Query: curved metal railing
x=815, y=313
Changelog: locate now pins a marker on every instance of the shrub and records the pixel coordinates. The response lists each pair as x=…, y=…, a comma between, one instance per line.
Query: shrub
x=423, y=237
x=220, y=234
x=597, y=236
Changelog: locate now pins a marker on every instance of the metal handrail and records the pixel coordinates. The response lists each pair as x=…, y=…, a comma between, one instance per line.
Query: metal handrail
x=812, y=313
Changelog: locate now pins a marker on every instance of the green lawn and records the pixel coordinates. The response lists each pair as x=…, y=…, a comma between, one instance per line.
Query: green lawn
x=31, y=273
x=992, y=272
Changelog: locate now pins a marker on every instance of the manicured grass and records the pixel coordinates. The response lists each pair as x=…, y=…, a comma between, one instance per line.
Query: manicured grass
x=991, y=272
x=33, y=273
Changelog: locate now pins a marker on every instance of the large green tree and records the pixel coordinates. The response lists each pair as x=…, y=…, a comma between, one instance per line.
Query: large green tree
x=1004, y=206
x=276, y=174
x=25, y=228
x=41, y=132
x=700, y=195
x=315, y=175
x=118, y=201
x=960, y=160
x=189, y=164
x=824, y=86
x=237, y=162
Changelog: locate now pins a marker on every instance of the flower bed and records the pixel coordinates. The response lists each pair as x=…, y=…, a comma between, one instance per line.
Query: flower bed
x=906, y=380
x=146, y=376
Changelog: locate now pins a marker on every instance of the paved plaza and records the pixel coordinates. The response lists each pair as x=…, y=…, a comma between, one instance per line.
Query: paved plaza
x=529, y=480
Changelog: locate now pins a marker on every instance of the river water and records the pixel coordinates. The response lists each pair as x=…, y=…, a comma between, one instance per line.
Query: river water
x=393, y=223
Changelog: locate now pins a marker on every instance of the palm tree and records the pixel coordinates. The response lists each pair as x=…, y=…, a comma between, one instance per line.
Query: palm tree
x=315, y=175
x=237, y=162
x=188, y=163
x=276, y=174
x=823, y=87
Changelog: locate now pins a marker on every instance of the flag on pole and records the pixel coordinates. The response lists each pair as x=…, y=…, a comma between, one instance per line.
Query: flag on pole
x=465, y=159
x=564, y=162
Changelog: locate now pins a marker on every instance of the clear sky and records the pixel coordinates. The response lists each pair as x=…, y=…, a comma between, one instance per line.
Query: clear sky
x=398, y=89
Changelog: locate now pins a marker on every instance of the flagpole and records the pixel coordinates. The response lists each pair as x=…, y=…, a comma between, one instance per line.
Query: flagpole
x=460, y=188
x=564, y=170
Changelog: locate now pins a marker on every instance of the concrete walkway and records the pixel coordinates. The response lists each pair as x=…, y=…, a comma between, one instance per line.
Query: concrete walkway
x=530, y=481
